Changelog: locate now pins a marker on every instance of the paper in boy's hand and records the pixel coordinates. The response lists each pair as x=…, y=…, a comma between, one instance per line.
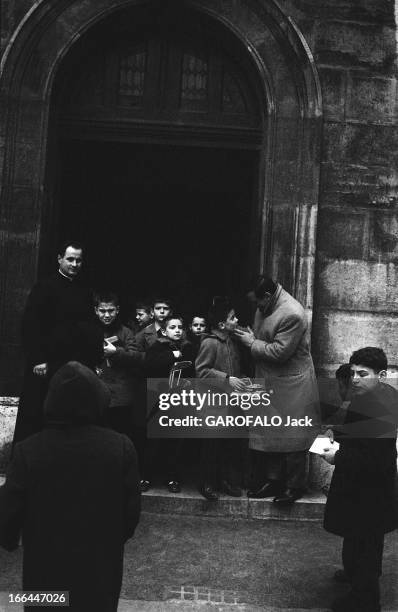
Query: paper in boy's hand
x=322, y=445
x=112, y=339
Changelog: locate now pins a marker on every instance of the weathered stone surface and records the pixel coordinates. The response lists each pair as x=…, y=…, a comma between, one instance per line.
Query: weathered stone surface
x=358, y=286
x=333, y=82
x=338, y=333
x=384, y=238
x=370, y=11
x=371, y=99
x=343, y=234
x=355, y=45
x=356, y=185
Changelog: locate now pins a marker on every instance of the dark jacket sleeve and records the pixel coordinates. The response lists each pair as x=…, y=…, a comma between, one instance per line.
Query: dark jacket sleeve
x=13, y=502
x=159, y=359
x=132, y=491
x=128, y=354
x=366, y=458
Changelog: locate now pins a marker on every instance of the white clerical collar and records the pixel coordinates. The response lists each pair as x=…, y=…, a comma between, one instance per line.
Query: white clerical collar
x=64, y=275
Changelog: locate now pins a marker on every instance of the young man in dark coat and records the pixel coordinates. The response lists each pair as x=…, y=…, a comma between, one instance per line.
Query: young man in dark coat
x=58, y=326
x=73, y=490
x=360, y=505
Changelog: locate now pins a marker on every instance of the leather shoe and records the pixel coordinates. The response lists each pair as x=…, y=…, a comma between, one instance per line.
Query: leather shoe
x=288, y=497
x=145, y=485
x=340, y=576
x=230, y=489
x=174, y=486
x=208, y=492
x=269, y=489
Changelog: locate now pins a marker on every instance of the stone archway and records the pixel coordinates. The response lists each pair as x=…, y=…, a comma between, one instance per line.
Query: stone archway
x=288, y=186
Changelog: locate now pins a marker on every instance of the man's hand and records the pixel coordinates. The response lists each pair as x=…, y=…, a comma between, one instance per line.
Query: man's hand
x=40, y=369
x=237, y=384
x=109, y=348
x=246, y=337
x=177, y=354
x=330, y=434
x=328, y=455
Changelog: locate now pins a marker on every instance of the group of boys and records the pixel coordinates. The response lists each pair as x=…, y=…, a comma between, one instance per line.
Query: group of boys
x=151, y=345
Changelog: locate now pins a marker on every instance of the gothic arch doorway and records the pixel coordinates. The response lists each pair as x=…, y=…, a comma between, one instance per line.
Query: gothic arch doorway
x=158, y=137
x=290, y=106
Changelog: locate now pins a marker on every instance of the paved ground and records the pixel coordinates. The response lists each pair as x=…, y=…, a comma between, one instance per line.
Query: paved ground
x=196, y=563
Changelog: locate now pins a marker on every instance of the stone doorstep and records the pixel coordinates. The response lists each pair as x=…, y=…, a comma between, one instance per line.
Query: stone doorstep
x=190, y=502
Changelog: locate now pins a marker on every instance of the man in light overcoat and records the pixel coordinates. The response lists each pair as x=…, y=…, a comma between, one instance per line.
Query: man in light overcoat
x=279, y=345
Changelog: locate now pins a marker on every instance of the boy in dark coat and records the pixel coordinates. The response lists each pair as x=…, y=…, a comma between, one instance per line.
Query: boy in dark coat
x=219, y=358
x=147, y=336
x=197, y=329
x=73, y=491
x=360, y=505
x=159, y=359
x=119, y=370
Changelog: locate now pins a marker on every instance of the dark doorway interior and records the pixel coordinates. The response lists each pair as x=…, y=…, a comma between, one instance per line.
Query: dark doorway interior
x=157, y=219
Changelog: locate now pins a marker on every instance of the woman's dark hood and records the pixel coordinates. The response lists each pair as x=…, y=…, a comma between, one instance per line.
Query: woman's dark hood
x=75, y=396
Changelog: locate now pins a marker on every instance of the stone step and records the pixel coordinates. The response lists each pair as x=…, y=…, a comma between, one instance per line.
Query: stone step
x=190, y=502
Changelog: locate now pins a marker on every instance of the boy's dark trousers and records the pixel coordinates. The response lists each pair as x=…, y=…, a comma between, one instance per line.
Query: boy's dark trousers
x=362, y=562
x=220, y=459
x=163, y=458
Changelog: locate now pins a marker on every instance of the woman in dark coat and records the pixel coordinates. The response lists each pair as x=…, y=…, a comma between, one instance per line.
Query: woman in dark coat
x=73, y=491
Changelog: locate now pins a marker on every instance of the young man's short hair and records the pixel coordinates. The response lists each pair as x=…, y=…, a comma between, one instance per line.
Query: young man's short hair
x=106, y=297
x=74, y=244
x=344, y=372
x=263, y=284
x=370, y=357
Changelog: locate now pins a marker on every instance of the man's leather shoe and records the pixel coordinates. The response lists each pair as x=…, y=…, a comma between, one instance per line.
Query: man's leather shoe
x=145, y=485
x=208, y=492
x=269, y=489
x=174, y=486
x=288, y=497
x=340, y=576
x=230, y=489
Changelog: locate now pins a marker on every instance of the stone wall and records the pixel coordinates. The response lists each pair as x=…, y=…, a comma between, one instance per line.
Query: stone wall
x=355, y=49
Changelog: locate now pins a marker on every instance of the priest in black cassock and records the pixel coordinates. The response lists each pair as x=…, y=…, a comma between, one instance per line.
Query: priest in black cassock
x=58, y=326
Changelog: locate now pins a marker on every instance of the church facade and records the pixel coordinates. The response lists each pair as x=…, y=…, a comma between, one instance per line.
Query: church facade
x=219, y=138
